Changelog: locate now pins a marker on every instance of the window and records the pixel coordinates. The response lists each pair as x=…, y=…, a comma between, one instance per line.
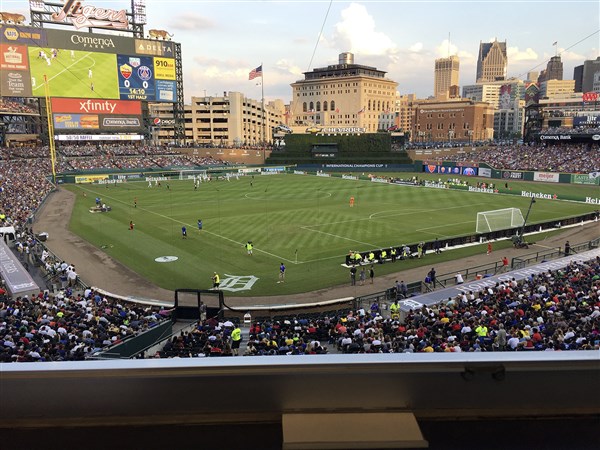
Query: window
x=332, y=105
x=325, y=106
x=311, y=106
x=318, y=106
x=304, y=107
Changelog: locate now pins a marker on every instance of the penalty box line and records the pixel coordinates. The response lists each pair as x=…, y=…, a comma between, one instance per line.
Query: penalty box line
x=281, y=258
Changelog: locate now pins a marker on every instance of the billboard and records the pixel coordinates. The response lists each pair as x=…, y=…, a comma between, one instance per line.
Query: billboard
x=85, y=65
x=97, y=106
x=14, y=71
x=76, y=121
x=154, y=47
x=505, y=91
x=546, y=176
x=586, y=121
x=22, y=35
x=103, y=43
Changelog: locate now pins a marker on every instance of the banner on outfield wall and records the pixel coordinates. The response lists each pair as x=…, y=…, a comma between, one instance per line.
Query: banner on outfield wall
x=584, y=178
x=485, y=172
x=512, y=175
x=82, y=179
x=450, y=170
x=546, y=176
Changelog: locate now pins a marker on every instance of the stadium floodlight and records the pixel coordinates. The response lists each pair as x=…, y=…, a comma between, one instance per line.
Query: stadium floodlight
x=499, y=219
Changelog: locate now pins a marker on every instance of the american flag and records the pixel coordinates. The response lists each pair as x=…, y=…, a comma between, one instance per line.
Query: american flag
x=255, y=73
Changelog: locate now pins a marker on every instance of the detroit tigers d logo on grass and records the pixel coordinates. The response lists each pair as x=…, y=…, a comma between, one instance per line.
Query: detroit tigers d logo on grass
x=236, y=283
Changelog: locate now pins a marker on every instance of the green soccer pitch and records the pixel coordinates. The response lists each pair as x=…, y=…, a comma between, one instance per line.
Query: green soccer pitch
x=69, y=73
x=303, y=221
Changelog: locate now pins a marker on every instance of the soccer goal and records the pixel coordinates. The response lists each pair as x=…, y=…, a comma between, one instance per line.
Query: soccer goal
x=499, y=219
x=191, y=174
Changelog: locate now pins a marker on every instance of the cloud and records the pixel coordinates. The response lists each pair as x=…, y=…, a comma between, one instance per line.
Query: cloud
x=514, y=54
x=288, y=67
x=356, y=33
x=446, y=48
x=416, y=47
x=191, y=21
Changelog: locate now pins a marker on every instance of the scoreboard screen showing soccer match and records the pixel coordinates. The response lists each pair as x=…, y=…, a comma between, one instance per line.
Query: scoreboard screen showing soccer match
x=84, y=65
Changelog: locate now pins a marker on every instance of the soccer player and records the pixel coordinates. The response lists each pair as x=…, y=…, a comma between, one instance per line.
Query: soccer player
x=281, y=273
x=200, y=224
x=90, y=73
x=183, y=232
x=489, y=248
x=216, y=280
x=351, y=201
x=131, y=225
x=249, y=247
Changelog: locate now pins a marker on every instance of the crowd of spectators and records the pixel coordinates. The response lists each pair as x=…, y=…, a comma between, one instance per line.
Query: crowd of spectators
x=563, y=158
x=68, y=326
x=9, y=106
x=551, y=311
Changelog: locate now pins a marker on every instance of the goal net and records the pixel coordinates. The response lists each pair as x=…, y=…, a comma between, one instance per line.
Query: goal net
x=499, y=219
x=191, y=174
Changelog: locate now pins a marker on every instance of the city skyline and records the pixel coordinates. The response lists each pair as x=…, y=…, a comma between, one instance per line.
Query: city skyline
x=223, y=41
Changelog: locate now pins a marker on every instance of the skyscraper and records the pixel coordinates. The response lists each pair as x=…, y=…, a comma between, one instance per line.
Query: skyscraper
x=554, y=69
x=590, y=67
x=492, y=61
x=445, y=76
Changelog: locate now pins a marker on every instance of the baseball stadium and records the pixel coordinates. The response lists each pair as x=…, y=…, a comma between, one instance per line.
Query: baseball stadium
x=301, y=285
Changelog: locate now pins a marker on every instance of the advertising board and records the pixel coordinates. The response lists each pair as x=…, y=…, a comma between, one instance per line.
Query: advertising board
x=103, y=43
x=87, y=106
x=23, y=35
x=586, y=121
x=164, y=68
x=76, y=121
x=584, y=178
x=546, y=176
x=154, y=47
x=14, y=83
x=485, y=172
x=13, y=57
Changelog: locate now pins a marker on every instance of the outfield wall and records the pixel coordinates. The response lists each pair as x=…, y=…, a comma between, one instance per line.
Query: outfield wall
x=484, y=170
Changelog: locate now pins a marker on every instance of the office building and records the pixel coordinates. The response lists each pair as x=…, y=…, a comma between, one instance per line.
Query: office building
x=554, y=88
x=492, y=61
x=554, y=69
x=231, y=120
x=446, y=76
x=590, y=68
x=578, y=77
x=343, y=95
x=452, y=121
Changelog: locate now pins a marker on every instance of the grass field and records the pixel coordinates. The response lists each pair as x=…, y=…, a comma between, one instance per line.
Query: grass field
x=303, y=221
x=68, y=73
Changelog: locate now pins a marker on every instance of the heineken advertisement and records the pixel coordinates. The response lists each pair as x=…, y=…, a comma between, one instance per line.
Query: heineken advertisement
x=584, y=178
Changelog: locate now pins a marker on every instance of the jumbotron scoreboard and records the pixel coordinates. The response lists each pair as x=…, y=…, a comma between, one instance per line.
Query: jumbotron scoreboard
x=96, y=81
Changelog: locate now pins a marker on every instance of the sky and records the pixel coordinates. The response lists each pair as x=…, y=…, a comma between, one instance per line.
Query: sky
x=222, y=41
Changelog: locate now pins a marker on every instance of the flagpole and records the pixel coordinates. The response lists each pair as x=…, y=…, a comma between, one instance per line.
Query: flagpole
x=264, y=135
